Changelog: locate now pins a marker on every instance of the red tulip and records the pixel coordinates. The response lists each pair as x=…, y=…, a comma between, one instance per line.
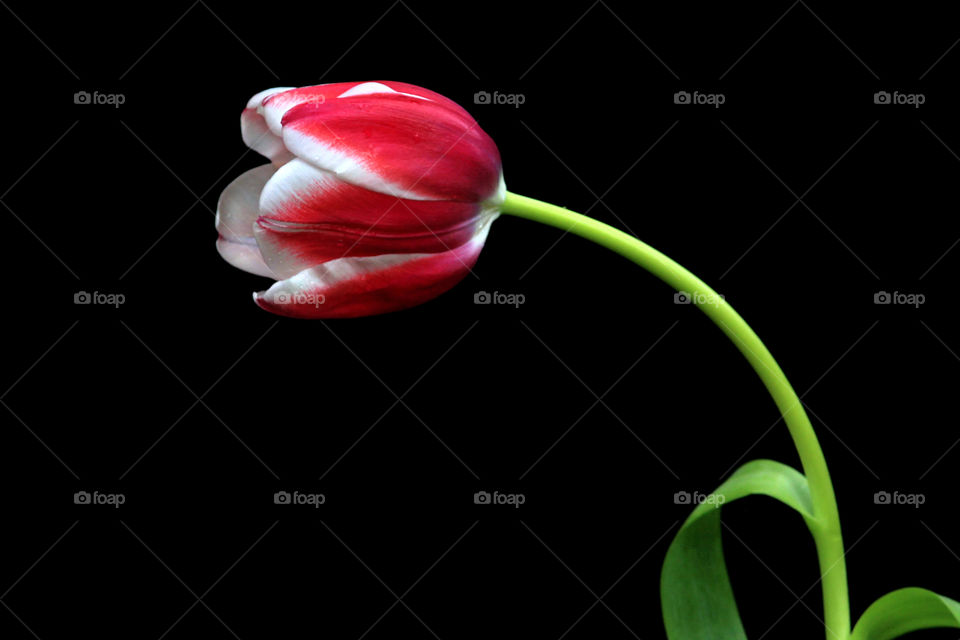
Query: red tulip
x=379, y=197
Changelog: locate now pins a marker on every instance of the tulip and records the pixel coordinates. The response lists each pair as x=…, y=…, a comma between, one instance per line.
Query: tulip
x=378, y=197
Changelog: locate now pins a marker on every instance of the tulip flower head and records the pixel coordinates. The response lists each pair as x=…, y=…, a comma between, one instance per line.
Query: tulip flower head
x=378, y=197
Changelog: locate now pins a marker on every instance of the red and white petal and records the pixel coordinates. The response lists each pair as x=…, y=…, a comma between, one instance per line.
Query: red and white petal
x=396, y=144
x=369, y=88
x=274, y=104
x=257, y=99
x=237, y=212
x=387, y=86
x=354, y=287
x=258, y=137
x=262, y=125
x=256, y=134
x=402, y=88
x=309, y=216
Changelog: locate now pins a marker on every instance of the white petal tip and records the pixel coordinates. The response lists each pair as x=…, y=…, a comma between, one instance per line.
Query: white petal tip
x=365, y=88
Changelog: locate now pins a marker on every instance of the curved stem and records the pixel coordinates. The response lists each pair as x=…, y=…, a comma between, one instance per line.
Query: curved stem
x=826, y=528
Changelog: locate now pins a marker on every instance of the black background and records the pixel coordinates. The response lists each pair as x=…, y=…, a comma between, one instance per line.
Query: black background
x=798, y=199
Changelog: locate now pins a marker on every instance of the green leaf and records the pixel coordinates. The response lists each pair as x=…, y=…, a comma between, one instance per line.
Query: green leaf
x=695, y=591
x=906, y=610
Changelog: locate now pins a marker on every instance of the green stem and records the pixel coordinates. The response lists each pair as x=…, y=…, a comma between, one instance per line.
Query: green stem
x=826, y=526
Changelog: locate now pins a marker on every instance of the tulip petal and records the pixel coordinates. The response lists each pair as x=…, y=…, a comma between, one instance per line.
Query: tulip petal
x=244, y=256
x=309, y=216
x=367, y=139
x=273, y=107
x=237, y=211
x=367, y=88
x=256, y=134
x=257, y=99
x=274, y=103
x=354, y=287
